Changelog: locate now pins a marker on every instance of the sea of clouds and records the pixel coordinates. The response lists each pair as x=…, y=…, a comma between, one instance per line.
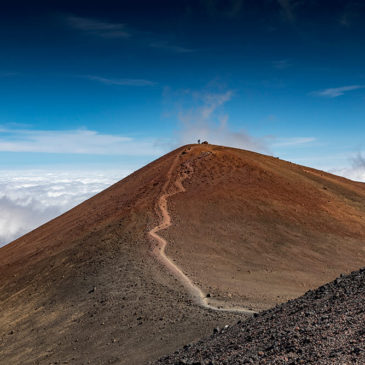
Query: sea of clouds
x=30, y=198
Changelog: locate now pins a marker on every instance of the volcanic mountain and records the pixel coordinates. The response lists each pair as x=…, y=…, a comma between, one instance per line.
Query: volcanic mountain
x=196, y=239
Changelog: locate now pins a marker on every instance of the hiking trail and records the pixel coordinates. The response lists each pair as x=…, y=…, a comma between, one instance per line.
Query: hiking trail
x=199, y=297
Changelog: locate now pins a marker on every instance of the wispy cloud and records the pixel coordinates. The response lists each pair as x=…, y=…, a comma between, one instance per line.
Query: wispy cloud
x=222, y=8
x=287, y=7
x=111, y=30
x=201, y=115
x=281, y=64
x=8, y=74
x=346, y=19
x=335, y=92
x=294, y=141
x=80, y=141
x=165, y=45
x=120, y=82
x=31, y=198
x=97, y=27
x=359, y=161
x=235, y=8
x=352, y=13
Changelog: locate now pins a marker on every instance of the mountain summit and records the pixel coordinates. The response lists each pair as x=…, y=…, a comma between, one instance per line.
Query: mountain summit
x=196, y=239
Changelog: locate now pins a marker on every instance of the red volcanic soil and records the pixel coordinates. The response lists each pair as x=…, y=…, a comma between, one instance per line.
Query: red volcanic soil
x=250, y=230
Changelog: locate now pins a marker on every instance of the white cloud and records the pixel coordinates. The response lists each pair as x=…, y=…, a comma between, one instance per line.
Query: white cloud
x=121, y=82
x=98, y=28
x=356, y=174
x=356, y=171
x=29, y=199
x=202, y=117
x=80, y=141
x=335, y=92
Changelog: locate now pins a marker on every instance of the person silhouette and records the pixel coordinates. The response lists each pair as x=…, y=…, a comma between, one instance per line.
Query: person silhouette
x=198, y=141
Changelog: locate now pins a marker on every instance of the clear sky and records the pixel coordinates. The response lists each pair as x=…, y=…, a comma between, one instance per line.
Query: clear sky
x=112, y=85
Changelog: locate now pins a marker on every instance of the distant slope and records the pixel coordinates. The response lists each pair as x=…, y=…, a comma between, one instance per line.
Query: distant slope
x=250, y=230
x=325, y=326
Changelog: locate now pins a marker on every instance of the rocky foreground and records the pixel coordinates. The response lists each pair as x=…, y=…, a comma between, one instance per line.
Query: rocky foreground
x=324, y=326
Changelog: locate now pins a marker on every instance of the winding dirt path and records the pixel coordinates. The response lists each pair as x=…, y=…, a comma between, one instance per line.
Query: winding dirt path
x=199, y=297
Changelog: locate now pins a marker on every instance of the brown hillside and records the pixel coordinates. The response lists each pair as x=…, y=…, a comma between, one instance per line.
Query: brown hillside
x=249, y=229
x=257, y=230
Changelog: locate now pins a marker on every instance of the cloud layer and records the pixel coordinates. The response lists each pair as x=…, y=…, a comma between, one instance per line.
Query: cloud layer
x=29, y=199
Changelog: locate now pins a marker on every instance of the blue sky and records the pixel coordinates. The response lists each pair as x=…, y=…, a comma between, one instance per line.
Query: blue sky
x=102, y=88
x=111, y=83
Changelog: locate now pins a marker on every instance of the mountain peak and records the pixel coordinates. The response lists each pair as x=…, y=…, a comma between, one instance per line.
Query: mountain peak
x=196, y=239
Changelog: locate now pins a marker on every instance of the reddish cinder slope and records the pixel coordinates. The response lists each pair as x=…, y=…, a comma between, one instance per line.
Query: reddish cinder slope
x=85, y=286
x=249, y=229
x=255, y=230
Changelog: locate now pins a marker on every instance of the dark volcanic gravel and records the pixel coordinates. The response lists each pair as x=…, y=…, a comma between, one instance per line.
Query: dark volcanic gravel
x=324, y=326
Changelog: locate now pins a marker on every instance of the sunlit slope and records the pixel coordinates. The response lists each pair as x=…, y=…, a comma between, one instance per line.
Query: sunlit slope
x=254, y=229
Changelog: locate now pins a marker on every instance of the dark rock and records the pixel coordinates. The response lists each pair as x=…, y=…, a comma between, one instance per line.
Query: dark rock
x=324, y=326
